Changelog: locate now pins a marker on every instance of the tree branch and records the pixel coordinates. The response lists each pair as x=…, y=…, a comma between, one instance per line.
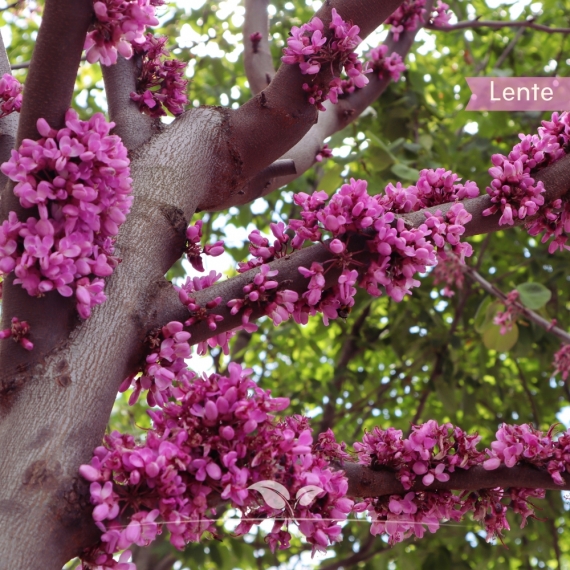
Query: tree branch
x=134, y=127
x=54, y=64
x=283, y=106
x=556, y=179
x=257, y=58
x=334, y=119
x=8, y=124
x=48, y=92
x=497, y=25
x=527, y=313
x=366, y=482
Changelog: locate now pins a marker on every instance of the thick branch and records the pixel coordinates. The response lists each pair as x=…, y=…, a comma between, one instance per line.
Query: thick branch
x=48, y=92
x=8, y=124
x=283, y=106
x=53, y=69
x=334, y=119
x=467, y=24
x=365, y=482
x=556, y=179
x=257, y=57
x=134, y=127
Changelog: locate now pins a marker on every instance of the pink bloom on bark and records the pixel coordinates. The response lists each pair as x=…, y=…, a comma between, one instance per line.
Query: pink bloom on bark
x=78, y=179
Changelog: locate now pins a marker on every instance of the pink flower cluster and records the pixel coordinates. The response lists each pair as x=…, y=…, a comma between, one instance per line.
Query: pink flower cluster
x=411, y=13
x=406, y=18
x=325, y=152
x=554, y=217
x=432, y=452
x=398, y=252
x=164, y=364
x=19, y=332
x=78, y=179
x=562, y=361
x=386, y=66
x=309, y=47
x=119, y=24
x=507, y=318
x=213, y=441
x=160, y=83
x=194, y=251
x=186, y=294
x=448, y=271
x=10, y=95
x=524, y=443
x=515, y=192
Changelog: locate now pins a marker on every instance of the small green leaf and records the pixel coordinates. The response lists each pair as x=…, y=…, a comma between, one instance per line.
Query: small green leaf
x=533, y=295
x=413, y=147
x=494, y=340
x=405, y=172
x=331, y=180
x=426, y=141
x=485, y=314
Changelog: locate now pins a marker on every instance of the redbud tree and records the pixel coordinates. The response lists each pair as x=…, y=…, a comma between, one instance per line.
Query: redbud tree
x=271, y=297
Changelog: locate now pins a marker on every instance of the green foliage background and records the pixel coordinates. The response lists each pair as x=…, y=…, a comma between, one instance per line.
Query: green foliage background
x=411, y=361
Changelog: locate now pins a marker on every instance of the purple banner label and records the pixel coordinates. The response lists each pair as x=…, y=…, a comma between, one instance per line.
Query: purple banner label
x=519, y=94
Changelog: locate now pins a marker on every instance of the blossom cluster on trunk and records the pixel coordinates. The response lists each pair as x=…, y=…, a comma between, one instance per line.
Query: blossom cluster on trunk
x=160, y=84
x=75, y=182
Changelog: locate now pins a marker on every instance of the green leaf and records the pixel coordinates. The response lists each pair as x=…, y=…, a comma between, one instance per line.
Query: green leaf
x=485, y=314
x=405, y=172
x=331, y=180
x=413, y=147
x=494, y=340
x=426, y=141
x=533, y=295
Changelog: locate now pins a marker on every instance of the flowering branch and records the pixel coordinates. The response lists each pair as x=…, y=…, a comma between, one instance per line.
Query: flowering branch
x=335, y=118
x=366, y=482
x=529, y=314
x=8, y=123
x=254, y=124
x=49, y=89
x=556, y=179
x=257, y=58
x=467, y=24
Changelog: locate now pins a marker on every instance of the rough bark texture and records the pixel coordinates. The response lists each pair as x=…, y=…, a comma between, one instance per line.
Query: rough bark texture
x=55, y=401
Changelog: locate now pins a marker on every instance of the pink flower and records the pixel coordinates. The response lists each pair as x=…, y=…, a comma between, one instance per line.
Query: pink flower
x=78, y=178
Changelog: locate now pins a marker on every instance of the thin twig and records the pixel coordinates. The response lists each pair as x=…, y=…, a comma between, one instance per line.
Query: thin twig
x=530, y=315
x=467, y=24
x=13, y=5
x=528, y=393
x=509, y=48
